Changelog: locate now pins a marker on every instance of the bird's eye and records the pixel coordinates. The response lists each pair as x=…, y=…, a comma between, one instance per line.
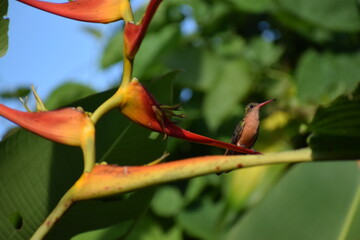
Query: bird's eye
x=251, y=105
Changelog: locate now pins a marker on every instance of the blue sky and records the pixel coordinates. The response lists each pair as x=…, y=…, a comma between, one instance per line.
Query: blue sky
x=45, y=50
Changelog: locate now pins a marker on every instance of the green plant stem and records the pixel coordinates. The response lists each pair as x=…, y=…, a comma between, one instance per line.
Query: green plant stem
x=113, y=102
x=88, y=149
x=128, y=15
x=63, y=205
x=350, y=216
x=127, y=70
x=116, y=99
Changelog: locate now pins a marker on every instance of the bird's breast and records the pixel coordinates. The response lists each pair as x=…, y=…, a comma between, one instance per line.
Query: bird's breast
x=249, y=134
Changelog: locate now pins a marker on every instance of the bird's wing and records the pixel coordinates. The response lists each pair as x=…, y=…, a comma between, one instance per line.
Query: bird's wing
x=235, y=138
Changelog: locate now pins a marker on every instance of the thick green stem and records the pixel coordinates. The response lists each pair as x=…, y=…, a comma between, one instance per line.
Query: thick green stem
x=127, y=71
x=113, y=102
x=88, y=149
x=63, y=205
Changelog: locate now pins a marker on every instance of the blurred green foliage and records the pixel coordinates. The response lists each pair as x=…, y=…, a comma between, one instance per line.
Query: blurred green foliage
x=304, y=53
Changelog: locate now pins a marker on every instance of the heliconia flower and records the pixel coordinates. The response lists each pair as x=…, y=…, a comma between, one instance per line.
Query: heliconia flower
x=99, y=11
x=106, y=180
x=68, y=126
x=141, y=107
x=134, y=33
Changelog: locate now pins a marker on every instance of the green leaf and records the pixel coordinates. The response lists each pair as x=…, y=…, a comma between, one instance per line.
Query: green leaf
x=247, y=187
x=148, y=229
x=4, y=27
x=321, y=77
x=35, y=173
x=17, y=93
x=329, y=14
x=340, y=118
x=305, y=28
x=100, y=214
x=66, y=94
x=336, y=127
x=157, y=86
x=108, y=233
x=232, y=86
x=209, y=15
x=256, y=6
x=167, y=202
x=202, y=222
x=194, y=189
x=342, y=147
x=201, y=68
x=313, y=201
x=263, y=53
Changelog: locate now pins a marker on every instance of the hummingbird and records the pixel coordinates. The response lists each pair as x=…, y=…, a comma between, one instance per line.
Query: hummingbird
x=247, y=131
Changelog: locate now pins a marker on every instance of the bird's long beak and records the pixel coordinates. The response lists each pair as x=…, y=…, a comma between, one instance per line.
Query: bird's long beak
x=264, y=103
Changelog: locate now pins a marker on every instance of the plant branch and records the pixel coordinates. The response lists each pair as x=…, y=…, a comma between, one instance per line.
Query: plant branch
x=64, y=204
x=127, y=70
x=107, y=180
x=113, y=102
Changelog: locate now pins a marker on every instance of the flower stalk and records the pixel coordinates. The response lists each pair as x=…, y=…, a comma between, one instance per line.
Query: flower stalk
x=107, y=180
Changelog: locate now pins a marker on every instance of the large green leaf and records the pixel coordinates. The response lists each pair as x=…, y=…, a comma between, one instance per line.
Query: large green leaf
x=339, y=118
x=67, y=93
x=35, y=173
x=336, y=128
x=4, y=27
x=247, y=187
x=321, y=77
x=313, y=201
x=338, y=16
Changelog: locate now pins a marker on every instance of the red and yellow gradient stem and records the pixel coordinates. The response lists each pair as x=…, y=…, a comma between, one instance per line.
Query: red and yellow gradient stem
x=107, y=180
x=88, y=147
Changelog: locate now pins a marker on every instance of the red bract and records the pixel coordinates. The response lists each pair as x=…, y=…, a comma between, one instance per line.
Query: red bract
x=141, y=107
x=134, y=33
x=68, y=126
x=99, y=11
